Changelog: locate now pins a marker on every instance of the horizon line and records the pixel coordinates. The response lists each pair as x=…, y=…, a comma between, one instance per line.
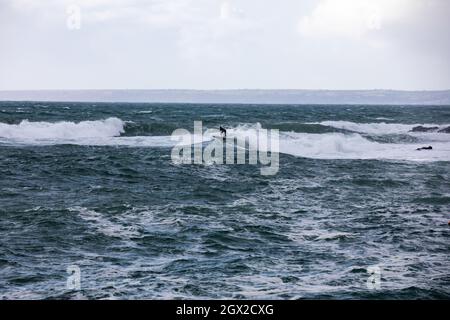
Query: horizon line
x=235, y=89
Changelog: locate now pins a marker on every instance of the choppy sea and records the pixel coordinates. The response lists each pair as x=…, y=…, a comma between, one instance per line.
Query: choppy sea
x=354, y=211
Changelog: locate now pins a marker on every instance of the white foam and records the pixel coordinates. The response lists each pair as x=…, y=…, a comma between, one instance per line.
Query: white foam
x=349, y=146
x=318, y=146
x=63, y=130
x=136, y=141
x=253, y=134
x=93, y=133
x=354, y=146
x=384, y=118
x=334, y=236
x=102, y=224
x=378, y=128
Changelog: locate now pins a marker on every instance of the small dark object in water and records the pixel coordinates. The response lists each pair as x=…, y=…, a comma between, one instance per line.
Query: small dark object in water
x=424, y=129
x=223, y=131
x=425, y=148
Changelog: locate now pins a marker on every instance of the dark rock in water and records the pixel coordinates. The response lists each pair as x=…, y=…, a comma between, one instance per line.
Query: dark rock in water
x=445, y=130
x=425, y=148
x=424, y=129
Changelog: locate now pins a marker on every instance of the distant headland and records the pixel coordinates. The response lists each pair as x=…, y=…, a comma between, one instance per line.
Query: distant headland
x=245, y=96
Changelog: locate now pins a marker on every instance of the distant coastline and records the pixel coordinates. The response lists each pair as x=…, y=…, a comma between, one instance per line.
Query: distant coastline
x=244, y=96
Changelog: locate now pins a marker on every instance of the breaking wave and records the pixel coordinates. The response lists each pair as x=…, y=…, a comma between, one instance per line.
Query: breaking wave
x=107, y=132
x=380, y=128
x=27, y=130
x=355, y=146
x=328, y=145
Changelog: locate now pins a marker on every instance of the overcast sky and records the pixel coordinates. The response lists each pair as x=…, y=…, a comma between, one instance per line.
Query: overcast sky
x=225, y=44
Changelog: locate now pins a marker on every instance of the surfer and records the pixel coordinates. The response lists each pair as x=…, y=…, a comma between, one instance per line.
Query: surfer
x=425, y=148
x=223, y=131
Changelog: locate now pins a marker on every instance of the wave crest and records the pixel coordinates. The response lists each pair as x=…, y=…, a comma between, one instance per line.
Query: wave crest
x=377, y=128
x=330, y=145
x=64, y=130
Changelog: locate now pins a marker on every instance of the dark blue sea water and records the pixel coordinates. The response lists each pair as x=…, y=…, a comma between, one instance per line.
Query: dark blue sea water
x=93, y=187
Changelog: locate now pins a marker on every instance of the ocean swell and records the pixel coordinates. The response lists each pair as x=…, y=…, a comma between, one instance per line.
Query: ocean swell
x=356, y=144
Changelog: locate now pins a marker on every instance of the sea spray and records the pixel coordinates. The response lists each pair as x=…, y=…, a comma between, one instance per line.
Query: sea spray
x=262, y=146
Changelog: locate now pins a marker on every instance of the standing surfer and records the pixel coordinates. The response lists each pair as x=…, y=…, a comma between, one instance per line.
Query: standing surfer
x=223, y=131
